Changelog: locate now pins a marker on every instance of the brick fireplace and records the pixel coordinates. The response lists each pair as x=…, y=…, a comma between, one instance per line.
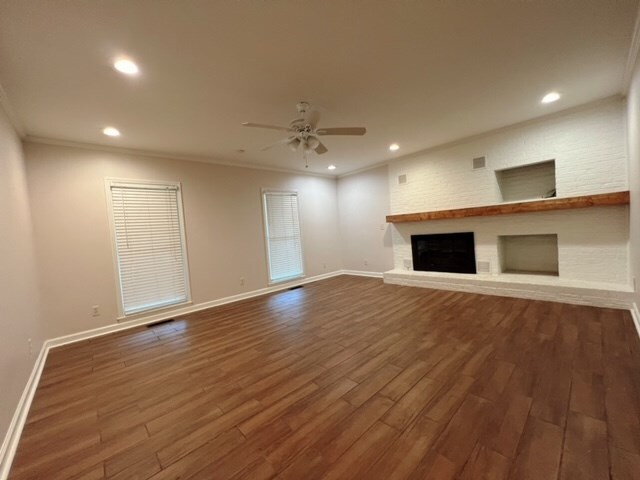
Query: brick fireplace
x=574, y=255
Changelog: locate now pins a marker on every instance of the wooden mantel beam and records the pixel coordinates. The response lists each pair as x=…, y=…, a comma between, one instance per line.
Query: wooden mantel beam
x=602, y=199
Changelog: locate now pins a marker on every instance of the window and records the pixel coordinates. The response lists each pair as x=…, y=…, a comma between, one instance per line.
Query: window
x=282, y=228
x=149, y=245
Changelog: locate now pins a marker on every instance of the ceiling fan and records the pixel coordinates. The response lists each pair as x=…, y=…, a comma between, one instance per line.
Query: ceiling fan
x=303, y=133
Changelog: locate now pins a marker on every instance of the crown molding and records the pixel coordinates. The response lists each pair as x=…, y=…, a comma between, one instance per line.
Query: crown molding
x=384, y=163
x=632, y=58
x=166, y=156
x=203, y=159
x=488, y=133
x=5, y=104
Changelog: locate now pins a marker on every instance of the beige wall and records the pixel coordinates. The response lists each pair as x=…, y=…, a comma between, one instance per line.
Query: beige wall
x=633, y=135
x=19, y=302
x=363, y=203
x=223, y=220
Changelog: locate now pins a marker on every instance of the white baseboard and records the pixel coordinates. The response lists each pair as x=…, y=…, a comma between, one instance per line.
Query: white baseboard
x=12, y=438
x=360, y=273
x=145, y=320
x=635, y=314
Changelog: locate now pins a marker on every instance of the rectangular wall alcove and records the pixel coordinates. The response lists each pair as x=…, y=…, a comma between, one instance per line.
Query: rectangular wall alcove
x=529, y=254
x=527, y=182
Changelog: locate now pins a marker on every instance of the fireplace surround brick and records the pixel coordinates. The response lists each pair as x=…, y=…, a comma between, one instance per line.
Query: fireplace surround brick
x=589, y=149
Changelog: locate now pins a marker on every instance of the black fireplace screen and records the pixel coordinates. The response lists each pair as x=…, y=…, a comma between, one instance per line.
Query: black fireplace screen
x=444, y=252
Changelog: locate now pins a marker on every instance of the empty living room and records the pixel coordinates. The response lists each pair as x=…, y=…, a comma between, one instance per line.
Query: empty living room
x=337, y=239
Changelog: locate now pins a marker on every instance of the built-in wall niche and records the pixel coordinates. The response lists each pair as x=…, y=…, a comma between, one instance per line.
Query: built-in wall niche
x=527, y=182
x=529, y=254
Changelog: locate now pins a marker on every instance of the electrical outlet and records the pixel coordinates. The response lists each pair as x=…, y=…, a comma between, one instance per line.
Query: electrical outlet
x=366, y=263
x=95, y=311
x=324, y=266
x=242, y=281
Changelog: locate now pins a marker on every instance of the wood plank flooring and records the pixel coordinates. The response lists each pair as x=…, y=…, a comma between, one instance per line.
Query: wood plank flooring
x=347, y=378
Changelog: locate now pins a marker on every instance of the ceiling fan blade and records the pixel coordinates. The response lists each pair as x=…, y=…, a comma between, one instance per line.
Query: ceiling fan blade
x=279, y=142
x=342, y=131
x=320, y=149
x=294, y=144
x=270, y=127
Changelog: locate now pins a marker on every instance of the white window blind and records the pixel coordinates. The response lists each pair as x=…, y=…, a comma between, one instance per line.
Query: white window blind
x=149, y=239
x=284, y=243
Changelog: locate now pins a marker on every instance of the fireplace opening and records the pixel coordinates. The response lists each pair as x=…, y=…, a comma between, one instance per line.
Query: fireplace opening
x=444, y=252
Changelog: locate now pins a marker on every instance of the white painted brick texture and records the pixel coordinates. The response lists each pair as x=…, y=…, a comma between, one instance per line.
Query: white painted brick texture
x=589, y=148
x=592, y=243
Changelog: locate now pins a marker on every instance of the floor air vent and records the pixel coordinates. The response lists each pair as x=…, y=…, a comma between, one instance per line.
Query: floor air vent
x=161, y=322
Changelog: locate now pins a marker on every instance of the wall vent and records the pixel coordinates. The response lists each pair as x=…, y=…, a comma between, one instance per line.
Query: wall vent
x=479, y=162
x=402, y=179
x=407, y=263
x=483, y=266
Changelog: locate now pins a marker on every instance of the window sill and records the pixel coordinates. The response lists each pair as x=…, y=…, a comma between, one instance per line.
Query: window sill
x=285, y=280
x=152, y=311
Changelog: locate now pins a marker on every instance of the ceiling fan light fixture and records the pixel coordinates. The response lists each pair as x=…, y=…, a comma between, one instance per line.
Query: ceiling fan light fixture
x=294, y=144
x=312, y=143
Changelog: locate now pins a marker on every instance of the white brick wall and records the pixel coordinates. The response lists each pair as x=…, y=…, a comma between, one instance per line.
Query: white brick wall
x=589, y=149
x=588, y=146
x=592, y=243
x=633, y=119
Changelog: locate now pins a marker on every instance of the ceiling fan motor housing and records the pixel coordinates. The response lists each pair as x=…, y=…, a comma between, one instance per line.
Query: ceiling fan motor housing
x=303, y=107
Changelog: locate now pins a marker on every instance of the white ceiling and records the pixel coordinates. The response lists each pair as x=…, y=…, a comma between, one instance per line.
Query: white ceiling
x=419, y=73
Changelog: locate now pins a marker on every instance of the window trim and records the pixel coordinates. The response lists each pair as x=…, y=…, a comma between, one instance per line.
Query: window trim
x=141, y=183
x=265, y=225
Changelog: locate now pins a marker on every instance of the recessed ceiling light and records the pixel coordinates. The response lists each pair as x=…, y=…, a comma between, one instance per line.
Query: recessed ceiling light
x=394, y=146
x=331, y=167
x=551, y=97
x=111, y=132
x=126, y=66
